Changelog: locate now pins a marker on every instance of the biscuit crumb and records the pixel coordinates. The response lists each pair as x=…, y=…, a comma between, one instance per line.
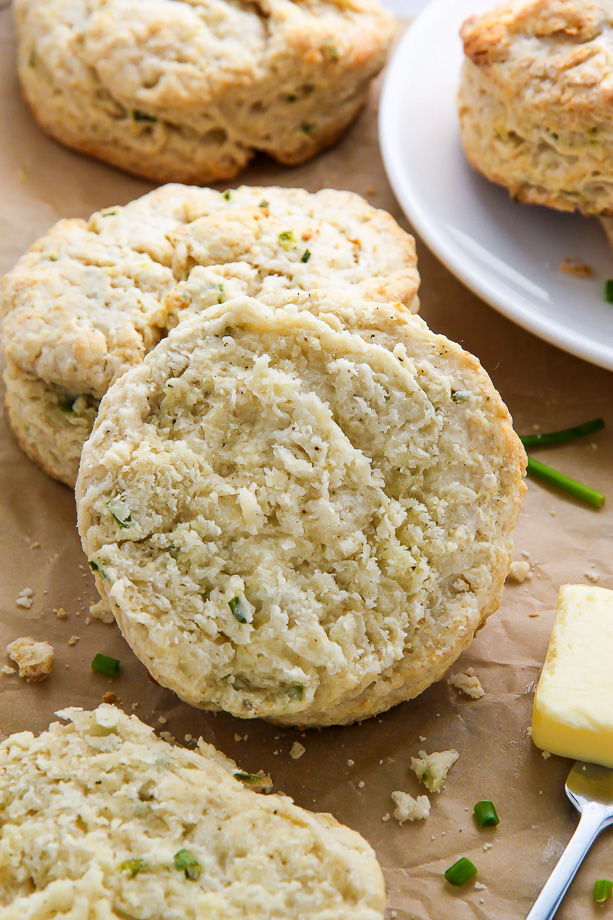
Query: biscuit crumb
x=109, y=697
x=351, y=763
x=545, y=755
x=594, y=577
x=386, y=816
x=361, y=784
x=297, y=750
x=34, y=659
x=24, y=598
x=162, y=720
x=370, y=190
x=432, y=769
x=7, y=669
x=236, y=737
x=61, y=613
x=422, y=738
x=573, y=267
x=410, y=809
x=534, y=613
x=487, y=846
x=467, y=683
x=480, y=886
x=519, y=572
x=73, y=640
x=167, y=736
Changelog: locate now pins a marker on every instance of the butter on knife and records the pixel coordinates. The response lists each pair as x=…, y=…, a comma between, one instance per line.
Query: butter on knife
x=573, y=705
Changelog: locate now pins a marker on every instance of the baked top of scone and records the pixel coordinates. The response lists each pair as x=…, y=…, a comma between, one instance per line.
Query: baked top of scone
x=554, y=58
x=100, y=817
x=301, y=509
x=88, y=299
x=189, y=90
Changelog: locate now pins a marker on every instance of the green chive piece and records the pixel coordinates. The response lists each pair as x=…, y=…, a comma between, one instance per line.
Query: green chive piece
x=142, y=116
x=296, y=692
x=185, y=862
x=565, y=483
x=263, y=203
x=460, y=395
x=236, y=606
x=120, y=511
x=132, y=867
x=287, y=239
x=603, y=889
x=105, y=665
x=461, y=871
x=220, y=297
x=227, y=195
x=560, y=437
x=486, y=815
x=94, y=566
x=608, y=291
x=249, y=778
x=306, y=255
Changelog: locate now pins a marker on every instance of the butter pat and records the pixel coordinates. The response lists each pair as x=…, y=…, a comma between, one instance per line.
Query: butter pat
x=573, y=705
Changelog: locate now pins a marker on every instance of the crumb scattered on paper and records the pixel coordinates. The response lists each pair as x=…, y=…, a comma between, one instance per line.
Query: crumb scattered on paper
x=24, y=598
x=351, y=763
x=73, y=640
x=574, y=267
x=386, y=816
x=534, y=613
x=422, y=738
x=7, y=669
x=297, y=750
x=593, y=577
x=410, y=809
x=545, y=755
x=109, y=697
x=432, y=769
x=480, y=886
x=467, y=683
x=34, y=659
x=519, y=571
x=361, y=784
x=487, y=846
x=61, y=613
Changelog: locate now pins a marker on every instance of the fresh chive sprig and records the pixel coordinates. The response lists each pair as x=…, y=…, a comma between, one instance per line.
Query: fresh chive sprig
x=565, y=483
x=461, y=871
x=105, y=664
x=561, y=437
x=486, y=814
x=603, y=889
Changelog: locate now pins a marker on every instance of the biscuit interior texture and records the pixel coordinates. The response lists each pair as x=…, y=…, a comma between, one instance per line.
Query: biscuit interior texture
x=534, y=101
x=189, y=90
x=301, y=510
x=91, y=298
x=102, y=818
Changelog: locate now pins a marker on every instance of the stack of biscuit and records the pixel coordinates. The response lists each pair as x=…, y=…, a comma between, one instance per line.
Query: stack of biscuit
x=296, y=499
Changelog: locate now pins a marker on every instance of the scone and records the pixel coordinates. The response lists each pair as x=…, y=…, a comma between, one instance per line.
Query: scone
x=534, y=101
x=100, y=818
x=90, y=299
x=301, y=510
x=189, y=90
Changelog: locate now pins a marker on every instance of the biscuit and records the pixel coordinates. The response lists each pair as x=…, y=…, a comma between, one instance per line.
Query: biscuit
x=90, y=299
x=100, y=818
x=534, y=101
x=189, y=90
x=301, y=514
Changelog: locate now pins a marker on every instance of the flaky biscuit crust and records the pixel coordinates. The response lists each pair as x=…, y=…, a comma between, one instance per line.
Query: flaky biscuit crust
x=179, y=91
x=535, y=101
x=91, y=298
x=301, y=510
x=101, y=818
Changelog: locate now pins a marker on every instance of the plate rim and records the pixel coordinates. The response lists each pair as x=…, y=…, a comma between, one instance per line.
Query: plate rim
x=451, y=255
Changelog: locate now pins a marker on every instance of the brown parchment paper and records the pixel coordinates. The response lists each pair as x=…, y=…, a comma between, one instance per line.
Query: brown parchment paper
x=348, y=771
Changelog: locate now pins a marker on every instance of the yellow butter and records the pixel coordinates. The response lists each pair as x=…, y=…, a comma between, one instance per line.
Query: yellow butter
x=573, y=705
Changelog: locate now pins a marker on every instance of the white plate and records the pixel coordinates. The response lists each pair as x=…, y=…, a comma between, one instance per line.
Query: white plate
x=506, y=252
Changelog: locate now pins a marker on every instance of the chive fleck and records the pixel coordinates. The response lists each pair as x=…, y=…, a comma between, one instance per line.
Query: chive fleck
x=296, y=692
x=263, y=203
x=603, y=889
x=120, y=511
x=565, y=483
x=93, y=566
x=227, y=195
x=250, y=779
x=137, y=115
x=461, y=871
x=236, y=606
x=185, y=862
x=608, y=291
x=105, y=665
x=287, y=239
x=33, y=59
x=560, y=437
x=459, y=396
x=132, y=867
x=486, y=815
x=306, y=255
x=220, y=297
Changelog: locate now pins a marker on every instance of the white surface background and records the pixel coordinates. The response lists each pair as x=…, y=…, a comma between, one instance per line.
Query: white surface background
x=405, y=8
